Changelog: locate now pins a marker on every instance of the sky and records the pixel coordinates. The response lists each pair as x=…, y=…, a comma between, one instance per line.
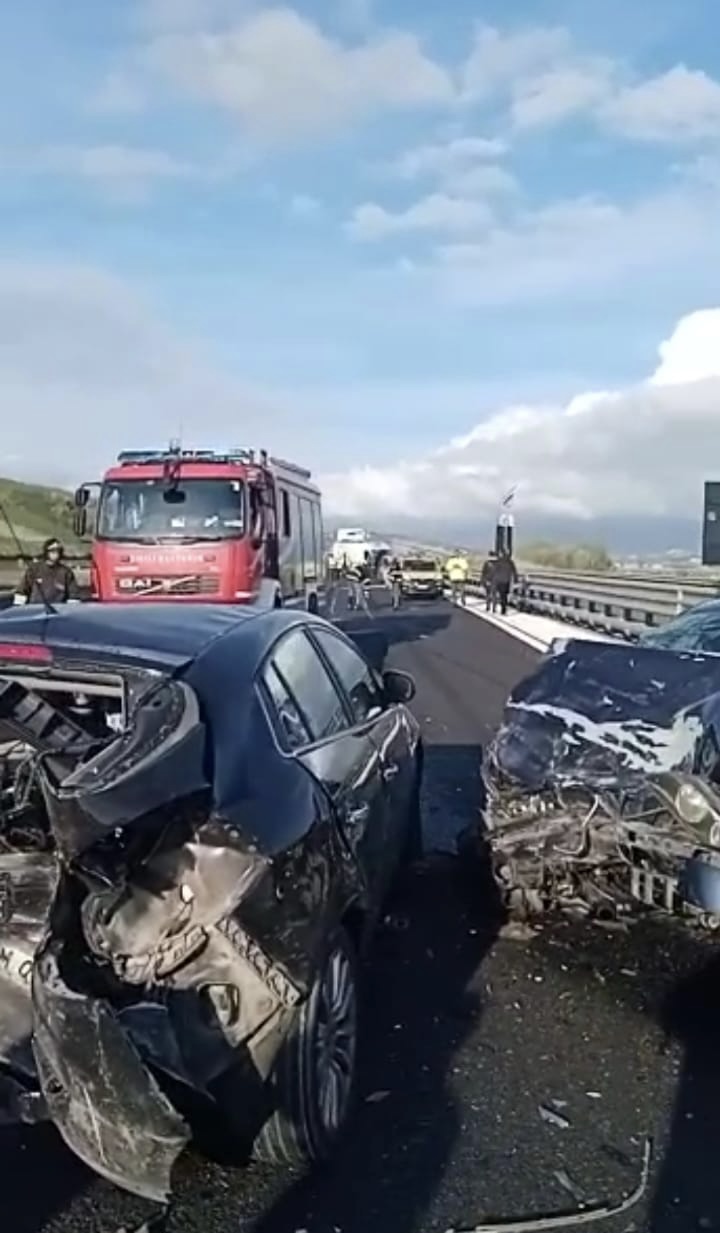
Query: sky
x=431, y=251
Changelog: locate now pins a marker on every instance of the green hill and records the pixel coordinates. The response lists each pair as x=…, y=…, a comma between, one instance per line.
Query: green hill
x=35, y=513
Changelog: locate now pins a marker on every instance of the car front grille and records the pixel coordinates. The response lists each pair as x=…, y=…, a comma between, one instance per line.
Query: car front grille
x=198, y=584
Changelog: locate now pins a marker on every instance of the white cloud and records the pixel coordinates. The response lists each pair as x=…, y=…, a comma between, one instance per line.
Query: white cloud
x=560, y=93
x=282, y=77
x=605, y=453
x=436, y=213
x=578, y=247
x=460, y=167
x=448, y=158
x=499, y=60
x=88, y=368
x=682, y=105
x=539, y=71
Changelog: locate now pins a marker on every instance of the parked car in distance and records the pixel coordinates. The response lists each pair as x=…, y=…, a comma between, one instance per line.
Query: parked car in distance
x=422, y=576
x=201, y=813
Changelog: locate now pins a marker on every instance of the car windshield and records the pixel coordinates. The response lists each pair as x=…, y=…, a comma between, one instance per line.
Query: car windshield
x=696, y=630
x=149, y=509
x=420, y=566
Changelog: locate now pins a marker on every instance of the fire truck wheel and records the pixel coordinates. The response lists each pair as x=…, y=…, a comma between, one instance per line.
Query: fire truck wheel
x=278, y=600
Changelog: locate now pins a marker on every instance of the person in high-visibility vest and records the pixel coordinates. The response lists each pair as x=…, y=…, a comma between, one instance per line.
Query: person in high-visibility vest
x=458, y=569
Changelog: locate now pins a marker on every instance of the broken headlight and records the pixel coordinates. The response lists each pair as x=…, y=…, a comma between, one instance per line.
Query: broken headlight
x=692, y=804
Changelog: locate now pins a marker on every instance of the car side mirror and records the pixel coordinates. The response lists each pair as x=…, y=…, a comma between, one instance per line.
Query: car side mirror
x=398, y=686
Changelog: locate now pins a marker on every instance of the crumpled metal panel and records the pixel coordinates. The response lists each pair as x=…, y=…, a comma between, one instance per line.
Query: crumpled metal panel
x=600, y=708
x=600, y=783
x=103, y=1099
x=197, y=870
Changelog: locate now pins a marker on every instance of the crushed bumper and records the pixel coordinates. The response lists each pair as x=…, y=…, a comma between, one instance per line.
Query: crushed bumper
x=103, y=1099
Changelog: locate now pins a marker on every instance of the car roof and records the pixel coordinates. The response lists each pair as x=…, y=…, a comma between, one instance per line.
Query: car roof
x=162, y=635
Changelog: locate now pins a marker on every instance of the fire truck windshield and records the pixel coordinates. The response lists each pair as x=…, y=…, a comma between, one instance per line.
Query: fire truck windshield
x=149, y=510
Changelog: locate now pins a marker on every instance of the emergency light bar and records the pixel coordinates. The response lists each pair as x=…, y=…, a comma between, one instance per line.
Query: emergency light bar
x=129, y=458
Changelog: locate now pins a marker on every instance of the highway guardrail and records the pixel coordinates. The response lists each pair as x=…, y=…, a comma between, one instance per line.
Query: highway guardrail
x=612, y=601
x=607, y=601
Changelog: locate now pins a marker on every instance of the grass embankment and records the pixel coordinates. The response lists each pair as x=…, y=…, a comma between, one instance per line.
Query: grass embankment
x=35, y=512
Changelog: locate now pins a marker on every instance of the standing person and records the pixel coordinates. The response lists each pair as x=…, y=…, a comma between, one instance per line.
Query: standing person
x=48, y=580
x=505, y=577
x=458, y=568
x=487, y=579
x=356, y=578
x=395, y=580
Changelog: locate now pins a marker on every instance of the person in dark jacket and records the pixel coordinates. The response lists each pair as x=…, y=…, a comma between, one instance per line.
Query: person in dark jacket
x=48, y=580
x=506, y=576
x=395, y=580
x=487, y=578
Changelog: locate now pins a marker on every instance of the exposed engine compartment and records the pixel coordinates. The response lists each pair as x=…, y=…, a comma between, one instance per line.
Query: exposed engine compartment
x=608, y=849
x=57, y=715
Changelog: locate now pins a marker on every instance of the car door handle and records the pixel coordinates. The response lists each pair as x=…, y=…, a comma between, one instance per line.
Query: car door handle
x=389, y=772
x=358, y=815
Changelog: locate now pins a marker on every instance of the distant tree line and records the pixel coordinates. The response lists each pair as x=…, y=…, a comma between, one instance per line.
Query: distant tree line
x=591, y=557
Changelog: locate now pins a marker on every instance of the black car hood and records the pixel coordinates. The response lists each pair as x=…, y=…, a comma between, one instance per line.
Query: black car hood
x=598, y=708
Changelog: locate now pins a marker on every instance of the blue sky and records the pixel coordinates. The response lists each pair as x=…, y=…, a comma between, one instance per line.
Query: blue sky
x=359, y=228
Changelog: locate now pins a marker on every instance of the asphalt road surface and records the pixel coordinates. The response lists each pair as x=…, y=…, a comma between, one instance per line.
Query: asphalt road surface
x=467, y=1035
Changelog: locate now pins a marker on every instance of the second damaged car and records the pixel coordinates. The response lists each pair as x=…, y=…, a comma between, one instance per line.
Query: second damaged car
x=603, y=782
x=201, y=813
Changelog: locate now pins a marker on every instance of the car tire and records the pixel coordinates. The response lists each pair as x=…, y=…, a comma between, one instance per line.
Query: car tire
x=315, y=1077
x=313, y=606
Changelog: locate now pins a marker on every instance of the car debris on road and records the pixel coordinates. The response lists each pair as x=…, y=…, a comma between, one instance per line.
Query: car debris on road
x=569, y=1220
x=553, y=1118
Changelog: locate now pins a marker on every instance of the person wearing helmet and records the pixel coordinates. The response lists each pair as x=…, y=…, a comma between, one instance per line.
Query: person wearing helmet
x=48, y=580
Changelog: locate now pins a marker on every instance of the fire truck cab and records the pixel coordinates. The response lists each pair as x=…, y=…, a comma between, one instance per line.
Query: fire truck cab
x=207, y=526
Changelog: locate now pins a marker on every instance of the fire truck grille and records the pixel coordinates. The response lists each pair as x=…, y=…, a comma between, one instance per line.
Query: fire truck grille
x=198, y=584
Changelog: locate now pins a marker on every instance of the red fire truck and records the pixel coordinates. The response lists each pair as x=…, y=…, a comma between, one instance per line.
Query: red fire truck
x=231, y=526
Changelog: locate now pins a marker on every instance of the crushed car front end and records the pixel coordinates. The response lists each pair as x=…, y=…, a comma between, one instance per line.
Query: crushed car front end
x=598, y=798
x=130, y=984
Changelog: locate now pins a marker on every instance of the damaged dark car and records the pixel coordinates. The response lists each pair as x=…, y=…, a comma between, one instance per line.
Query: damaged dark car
x=201, y=813
x=603, y=782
